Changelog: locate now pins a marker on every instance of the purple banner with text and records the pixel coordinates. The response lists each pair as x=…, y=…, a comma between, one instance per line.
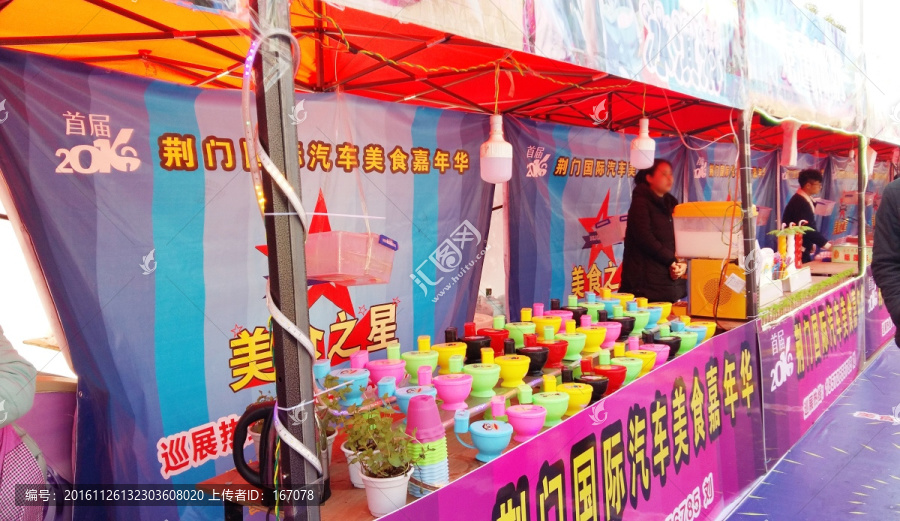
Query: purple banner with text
x=880, y=329
x=680, y=444
x=808, y=359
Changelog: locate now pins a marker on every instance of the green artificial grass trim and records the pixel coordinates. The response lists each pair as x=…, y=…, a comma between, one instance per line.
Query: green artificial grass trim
x=792, y=301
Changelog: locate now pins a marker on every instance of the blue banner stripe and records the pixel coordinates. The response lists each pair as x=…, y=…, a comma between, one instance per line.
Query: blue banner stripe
x=557, y=184
x=425, y=222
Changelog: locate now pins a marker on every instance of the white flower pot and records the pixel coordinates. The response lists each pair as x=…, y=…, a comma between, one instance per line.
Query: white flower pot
x=355, y=478
x=255, y=437
x=330, y=444
x=385, y=495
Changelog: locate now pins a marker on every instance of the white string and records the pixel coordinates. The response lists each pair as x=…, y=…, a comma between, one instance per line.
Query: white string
x=307, y=402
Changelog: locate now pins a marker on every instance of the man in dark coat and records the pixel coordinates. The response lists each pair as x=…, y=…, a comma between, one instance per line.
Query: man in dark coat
x=802, y=208
x=886, y=251
x=649, y=266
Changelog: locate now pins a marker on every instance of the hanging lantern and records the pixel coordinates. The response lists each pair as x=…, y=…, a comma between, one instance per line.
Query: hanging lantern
x=643, y=148
x=496, y=154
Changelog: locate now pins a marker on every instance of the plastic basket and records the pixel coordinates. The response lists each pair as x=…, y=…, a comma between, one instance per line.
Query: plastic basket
x=824, y=207
x=702, y=230
x=349, y=259
x=612, y=229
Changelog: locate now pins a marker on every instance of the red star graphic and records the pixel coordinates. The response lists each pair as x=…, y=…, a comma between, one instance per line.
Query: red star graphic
x=362, y=310
x=237, y=330
x=588, y=224
x=396, y=301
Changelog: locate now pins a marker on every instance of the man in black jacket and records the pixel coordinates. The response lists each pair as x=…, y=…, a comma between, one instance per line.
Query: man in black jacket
x=886, y=251
x=802, y=208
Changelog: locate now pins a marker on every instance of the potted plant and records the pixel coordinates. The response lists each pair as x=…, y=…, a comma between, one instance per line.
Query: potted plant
x=256, y=428
x=385, y=458
x=328, y=414
x=359, y=437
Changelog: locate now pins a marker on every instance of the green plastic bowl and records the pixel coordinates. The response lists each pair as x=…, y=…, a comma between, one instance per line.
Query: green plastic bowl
x=688, y=340
x=518, y=330
x=632, y=367
x=594, y=310
x=556, y=404
x=576, y=343
x=641, y=319
x=415, y=360
x=484, y=379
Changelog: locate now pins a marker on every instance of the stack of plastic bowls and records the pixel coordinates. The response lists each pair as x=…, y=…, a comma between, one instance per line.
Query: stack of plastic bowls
x=430, y=448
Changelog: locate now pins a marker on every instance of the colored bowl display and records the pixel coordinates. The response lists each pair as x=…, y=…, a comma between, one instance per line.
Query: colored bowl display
x=595, y=334
x=538, y=356
x=701, y=331
x=563, y=316
x=641, y=319
x=615, y=373
x=415, y=360
x=474, y=345
x=579, y=396
x=594, y=310
x=624, y=298
x=497, y=337
x=666, y=309
x=557, y=350
x=526, y=421
x=577, y=312
x=673, y=342
x=405, y=394
x=688, y=340
x=484, y=379
x=445, y=351
x=626, y=324
x=655, y=315
x=647, y=358
x=518, y=330
x=575, y=345
x=599, y=384
x=661, y=350
x=545, y=321
x=359, y=380
x=512, y=369
x=490, y=438
x=453, y=389
x=709, y=325
x=378, y=369
x=613, y=331
x=556, y=404
x=632, y=366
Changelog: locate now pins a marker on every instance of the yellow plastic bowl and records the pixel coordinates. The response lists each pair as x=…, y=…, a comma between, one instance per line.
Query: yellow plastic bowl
x=710, y=327
x=579, y=396
x=445, y=351
x=647, y=357
x=666, y=309
x=595, y=336
x=624, y=298
x=542, y=322
x=513, y=369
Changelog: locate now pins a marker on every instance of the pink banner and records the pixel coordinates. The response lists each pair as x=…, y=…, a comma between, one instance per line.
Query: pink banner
x=880, y=329
x=679, y=444
x=808, y=360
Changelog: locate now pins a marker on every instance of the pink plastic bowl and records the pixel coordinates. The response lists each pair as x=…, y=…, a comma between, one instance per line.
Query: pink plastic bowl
x=661, y=350
x=378, y=369
x=562, y=314
x=613, y=330
x=526, y=421
x=453, y=389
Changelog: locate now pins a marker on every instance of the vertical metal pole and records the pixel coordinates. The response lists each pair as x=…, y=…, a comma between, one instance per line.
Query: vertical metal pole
x=287, y=254
x=749, y=225
x=862, y=178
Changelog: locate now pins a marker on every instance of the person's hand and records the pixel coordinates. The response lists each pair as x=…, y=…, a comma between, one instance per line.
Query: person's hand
x=677, y=270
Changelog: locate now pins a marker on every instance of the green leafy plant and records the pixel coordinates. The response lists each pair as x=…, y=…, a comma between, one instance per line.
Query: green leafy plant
x=383, y=449
x=262, y=398
x=328, y=410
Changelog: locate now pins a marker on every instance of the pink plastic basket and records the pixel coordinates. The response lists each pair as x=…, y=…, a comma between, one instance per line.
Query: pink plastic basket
x=349, y=259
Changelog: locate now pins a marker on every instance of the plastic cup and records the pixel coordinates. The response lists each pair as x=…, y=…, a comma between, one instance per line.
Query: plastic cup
x=393, y=351
x=484, y=379
x=423, y=420
x=456, y=364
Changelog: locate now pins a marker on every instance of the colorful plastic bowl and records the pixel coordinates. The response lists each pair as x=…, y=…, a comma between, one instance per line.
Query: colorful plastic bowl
x=661, y=350
x=632, y=366
x=613, y=331
x=624, y=298
x=641, y=319
x=615, y=373
x=710, y=328
x=359, y=380
x=557, y=352
x=655, y=315
x=490, y=438
x=545, y=321
x=405, y=394
x=378, y=369
x=673, y=342
x=579, y=396
x=453, y=389
x=538, y=356
x=484, y=379
x=416, y=359
x=595, y=334
x=526, y=420
x=563, y=317
x=647, y=358
x=518, y=330
x=445, y=351
x=599, y=384
x=474, y=345
x=688, y=340
x=701, y=331
x=666, y=309
x=626, y=324
x=513, y=369
x=575, y=346
x=555, y=403
x=594, y=310
x=497, y=337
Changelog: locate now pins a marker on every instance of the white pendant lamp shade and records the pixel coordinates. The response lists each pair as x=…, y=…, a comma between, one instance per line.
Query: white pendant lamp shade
x=496, y=154
x=643, y=148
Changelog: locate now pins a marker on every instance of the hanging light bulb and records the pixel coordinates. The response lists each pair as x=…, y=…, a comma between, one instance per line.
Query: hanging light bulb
x=496, y=154
x=643, y=148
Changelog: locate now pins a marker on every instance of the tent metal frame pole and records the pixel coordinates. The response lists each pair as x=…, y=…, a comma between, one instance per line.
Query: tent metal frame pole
x=287, y=255
x=861, y=180
x=745, y=170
